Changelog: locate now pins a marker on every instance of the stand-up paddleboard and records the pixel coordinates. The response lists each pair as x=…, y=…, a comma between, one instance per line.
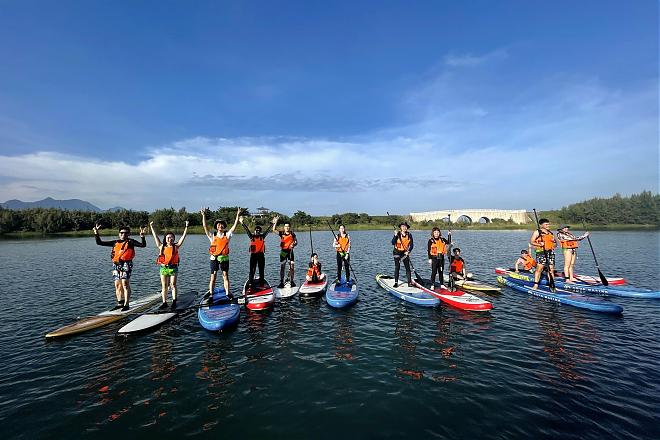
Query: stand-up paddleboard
x=474, y=285
x=287, y=291
x=458, y=298
x=313, y=290
x=342, y=294
x=151, y=320
x=261, y=298
x=104, y=318
x=587, y=279
x=564, y=297
x=591, y=289
x=218, y=313
x=411, y=294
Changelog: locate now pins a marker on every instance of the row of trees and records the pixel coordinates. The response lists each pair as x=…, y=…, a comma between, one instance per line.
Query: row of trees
x=642, y=208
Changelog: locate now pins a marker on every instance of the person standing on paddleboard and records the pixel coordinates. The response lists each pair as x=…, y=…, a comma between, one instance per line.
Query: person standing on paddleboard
x=569, y=245
x=287, y=242
x=257, y=250
x=457, y=266
x=544, y=244
x=403, y=245
x=342, y=244
x=123, y=252
x=219, y=249
x=526, y=261
x=314, y=272
x=436, y=249
x=168, y=259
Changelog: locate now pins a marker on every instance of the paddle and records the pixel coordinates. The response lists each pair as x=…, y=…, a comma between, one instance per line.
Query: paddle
x=603, y=279
x=342, y=249
x=311, y=242
x=452, y=284
x=551, y=276
x=406, y=256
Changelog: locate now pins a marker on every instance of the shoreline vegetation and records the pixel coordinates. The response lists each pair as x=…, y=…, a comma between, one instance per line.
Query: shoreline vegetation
x=639, y=212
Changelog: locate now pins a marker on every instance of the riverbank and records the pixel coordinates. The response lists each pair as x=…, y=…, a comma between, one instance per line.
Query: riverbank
x=351, y=227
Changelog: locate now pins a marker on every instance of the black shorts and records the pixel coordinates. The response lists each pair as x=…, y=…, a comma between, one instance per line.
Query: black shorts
x=223, y=266
x=287, y=254
x=540, y=257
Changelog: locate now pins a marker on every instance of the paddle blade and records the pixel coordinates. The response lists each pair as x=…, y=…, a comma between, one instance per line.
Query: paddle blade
x=603, y=279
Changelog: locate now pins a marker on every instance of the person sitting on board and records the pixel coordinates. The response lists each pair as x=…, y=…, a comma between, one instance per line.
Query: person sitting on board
x=544, y=245
x=457, y=266
x=257, y=250
x=219, y=250
x=569, y=245
x=342, y=245
x=526, y=261
x=287, y=242
x=123, y=252
x=314, y=273
x=168, y=259
x=436, y=249
x=403, y=245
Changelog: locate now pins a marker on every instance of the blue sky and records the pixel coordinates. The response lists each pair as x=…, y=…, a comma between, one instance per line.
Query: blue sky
x=328, y=106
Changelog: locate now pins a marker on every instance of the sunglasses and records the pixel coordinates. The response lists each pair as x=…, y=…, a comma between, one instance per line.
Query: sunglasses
x=123, y=232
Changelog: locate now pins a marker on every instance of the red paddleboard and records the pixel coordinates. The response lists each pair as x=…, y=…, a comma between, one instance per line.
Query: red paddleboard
x=261, y=298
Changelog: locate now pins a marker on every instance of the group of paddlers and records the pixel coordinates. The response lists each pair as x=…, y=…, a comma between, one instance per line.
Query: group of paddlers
x=123, y=252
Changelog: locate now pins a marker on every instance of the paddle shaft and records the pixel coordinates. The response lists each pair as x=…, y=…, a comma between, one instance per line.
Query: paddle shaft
x=343, y=250
x=311, y=242
x=602, y=277
x=551, y=276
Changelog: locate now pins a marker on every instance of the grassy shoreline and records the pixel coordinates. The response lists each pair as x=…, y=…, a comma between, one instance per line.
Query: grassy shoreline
x=354, y=227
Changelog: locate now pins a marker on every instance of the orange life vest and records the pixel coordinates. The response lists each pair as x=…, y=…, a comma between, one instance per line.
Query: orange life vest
x=257, y=245
x=219, y=246
x=314, y=269
x=122, y=252
x=343, y=243
x=568, y=244
x=286, y=241
x=529, y=262
x=456, y=265
x=402, y=243
x=438, y=247
x=545, y=241
x=169, y=255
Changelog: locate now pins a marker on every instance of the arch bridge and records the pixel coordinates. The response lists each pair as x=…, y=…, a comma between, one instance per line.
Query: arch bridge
x=518, y=216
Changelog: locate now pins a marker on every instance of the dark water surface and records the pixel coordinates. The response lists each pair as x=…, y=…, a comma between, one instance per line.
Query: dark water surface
x=381, y=369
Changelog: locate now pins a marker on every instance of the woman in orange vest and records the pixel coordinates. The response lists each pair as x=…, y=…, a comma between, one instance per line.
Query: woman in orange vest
x=168, y=259
x=342, y=245
x=544, y=245
x=314, y=272
x=457, y=266
x=526, y=261
x=123, y=252
x=257, y=250
x=436, y=248
x=219, y=250
x=569, y=244
x=287, y=242
x=403, y=245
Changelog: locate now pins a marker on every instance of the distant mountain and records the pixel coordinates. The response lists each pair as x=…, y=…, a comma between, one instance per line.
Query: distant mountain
x=49, y=202
x=115, y=209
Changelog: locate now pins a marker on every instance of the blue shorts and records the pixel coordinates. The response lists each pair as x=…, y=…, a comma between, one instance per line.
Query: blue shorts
x=122, y=270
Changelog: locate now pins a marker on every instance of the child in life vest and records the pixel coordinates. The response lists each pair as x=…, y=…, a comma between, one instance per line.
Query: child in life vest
x=168, y=259
x=526, y=261
x=457, y=266
x=314, y=273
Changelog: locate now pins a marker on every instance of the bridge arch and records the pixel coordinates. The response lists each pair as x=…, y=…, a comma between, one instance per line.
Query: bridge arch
x=485, y=220
x=464, y=219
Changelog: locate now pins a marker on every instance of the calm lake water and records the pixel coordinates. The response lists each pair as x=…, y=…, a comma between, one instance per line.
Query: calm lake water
x=381, y=369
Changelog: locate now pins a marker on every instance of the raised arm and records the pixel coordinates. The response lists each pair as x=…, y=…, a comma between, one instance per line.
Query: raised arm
x=184, y=235
x=100, y=242
x=247, y=230
x=153, y=234
x=143, y=242
x=275, y=219
x=238, y=214
x=206, y=229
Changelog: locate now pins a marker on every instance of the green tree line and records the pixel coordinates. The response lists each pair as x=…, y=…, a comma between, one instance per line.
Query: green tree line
x=638, y=209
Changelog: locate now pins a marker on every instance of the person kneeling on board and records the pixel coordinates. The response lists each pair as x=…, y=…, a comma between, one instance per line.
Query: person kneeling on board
x=526, y=261
x=123, y=252
x=168, y=259
x=457, y=266
x=314, y=273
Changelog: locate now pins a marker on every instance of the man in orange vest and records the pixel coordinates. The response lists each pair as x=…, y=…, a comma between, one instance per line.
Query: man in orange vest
x=403, y=245
x=287, y=242
x=257, y=250
x=544, y=245
x=219, y=250
x=123, y=252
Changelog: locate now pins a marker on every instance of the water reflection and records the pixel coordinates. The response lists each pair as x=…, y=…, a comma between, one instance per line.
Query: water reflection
x=344, y=337
x=406, y=345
